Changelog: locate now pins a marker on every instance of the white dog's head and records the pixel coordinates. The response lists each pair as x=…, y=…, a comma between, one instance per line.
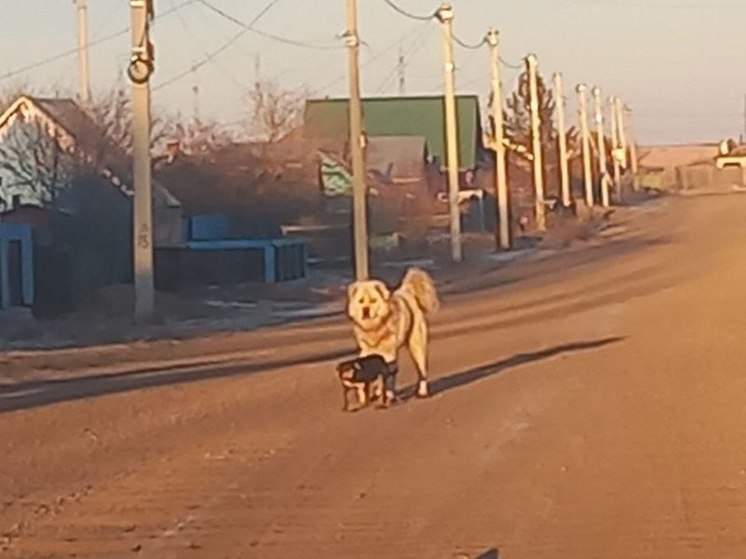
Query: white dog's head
x=368, y=303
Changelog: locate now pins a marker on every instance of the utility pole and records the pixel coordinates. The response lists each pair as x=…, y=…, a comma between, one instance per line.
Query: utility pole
x=586, y=143
x=501, y=176
x=195, y=94
x=84, y=94
x=630, y=133
x=401, y=69
x=541, y=219
x=603, y=171
x=445, y=16
x=140, y=70
x=359, y=215
x=615, y=146
x=619, y=109
x=559, y=96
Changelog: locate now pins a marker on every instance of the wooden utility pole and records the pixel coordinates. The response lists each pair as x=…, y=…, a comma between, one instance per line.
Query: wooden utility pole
x=615, y=149
x=559, y=95
x=603, y=171
x=586, y=143
x=84, y=94
x=502, y=200
x=360, y=217
x=539, y=209
x=445, y=16
x=140, y=70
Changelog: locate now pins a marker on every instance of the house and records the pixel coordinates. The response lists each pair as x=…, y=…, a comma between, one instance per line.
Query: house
x=399, y=160
x=659, y=164
x=45, y=142
x=422, y=117
x=62, y=178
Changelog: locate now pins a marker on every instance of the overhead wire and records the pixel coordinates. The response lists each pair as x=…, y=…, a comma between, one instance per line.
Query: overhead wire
x=511, y=66
x=410, y=15
x=272, y=36
x=188, y=28
x=374, y=58
x=413, y=49
x=70, y=52
x=225, y=46
x=470, y=46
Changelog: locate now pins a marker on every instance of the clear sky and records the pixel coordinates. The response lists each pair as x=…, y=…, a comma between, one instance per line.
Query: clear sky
x=676, y=62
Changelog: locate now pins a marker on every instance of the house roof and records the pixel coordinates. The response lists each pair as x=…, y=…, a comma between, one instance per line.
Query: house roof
x=76, y=131
x=398, y=158
x=402, y=116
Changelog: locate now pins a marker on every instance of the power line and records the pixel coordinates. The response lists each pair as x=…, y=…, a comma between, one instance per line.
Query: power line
x=226, y=73
x=470, y=46
x=405, y=13
x=71, y=52
x=413, y=49
x=211, y=55
x=509, y=65
x=249, y=27
x=365, y=64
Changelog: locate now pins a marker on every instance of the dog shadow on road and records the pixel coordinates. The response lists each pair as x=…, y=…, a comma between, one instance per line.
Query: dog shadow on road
x=464, y=378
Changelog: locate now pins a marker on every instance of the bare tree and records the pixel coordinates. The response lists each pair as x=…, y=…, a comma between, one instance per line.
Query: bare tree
x=33, y=163
x=275, y=111
x=112, y=113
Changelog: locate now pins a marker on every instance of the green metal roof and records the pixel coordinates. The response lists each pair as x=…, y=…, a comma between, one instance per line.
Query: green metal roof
x=402, y=116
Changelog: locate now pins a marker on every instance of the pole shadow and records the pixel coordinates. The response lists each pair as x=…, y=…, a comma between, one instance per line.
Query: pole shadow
x=34, y=394
x=464, y=378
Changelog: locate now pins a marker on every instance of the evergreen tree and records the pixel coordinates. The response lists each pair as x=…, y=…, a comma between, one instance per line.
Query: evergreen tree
x=518, y=114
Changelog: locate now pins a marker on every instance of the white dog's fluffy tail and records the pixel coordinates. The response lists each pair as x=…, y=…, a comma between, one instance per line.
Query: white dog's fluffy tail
x=422, y=287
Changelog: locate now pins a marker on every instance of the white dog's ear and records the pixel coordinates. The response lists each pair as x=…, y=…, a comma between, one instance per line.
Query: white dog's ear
x=352, y=290
x=382, y=290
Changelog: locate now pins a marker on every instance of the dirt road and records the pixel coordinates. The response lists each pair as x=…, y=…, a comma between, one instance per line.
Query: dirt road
x=586, y=411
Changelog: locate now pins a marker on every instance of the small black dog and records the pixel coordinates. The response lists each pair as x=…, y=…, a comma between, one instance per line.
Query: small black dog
x=359, y=374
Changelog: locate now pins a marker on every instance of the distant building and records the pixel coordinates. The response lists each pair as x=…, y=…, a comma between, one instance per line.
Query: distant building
x=409, y=117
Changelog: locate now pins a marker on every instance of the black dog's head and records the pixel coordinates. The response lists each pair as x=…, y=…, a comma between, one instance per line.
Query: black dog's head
x=347, y=369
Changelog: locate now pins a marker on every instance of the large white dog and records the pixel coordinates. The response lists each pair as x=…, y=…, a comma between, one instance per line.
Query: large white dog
x=385, y=321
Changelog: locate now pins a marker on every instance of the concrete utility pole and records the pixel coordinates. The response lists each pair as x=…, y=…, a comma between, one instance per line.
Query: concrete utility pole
x=559, y=95
x=615, y=151
x=445, y=16
x=140, y=70
x=603, y=171
x=84, y=95
x=532, y=67
x=257, y=69
x=359, y=191
x=619, y=109
x=195, y=94
x=501, y=175
x=586, y=143
x=401, y=69
x=630, y=134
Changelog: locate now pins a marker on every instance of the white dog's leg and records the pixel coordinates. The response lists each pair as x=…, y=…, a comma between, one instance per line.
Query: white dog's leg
x=418, y=349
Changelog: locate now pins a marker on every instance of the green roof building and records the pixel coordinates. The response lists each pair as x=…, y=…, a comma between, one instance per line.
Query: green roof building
x=402, y=116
